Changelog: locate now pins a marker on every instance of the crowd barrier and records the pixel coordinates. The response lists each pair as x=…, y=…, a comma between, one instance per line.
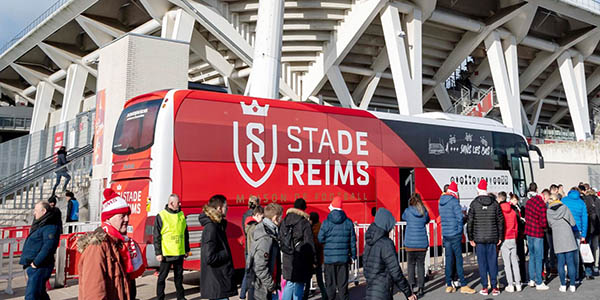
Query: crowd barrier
x=9, y=268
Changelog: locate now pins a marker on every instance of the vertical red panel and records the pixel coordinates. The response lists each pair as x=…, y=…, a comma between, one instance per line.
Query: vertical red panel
x=388, y=189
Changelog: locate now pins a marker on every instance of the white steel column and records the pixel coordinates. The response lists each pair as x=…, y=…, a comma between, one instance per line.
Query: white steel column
x=441, y=93
x=405, y=57
x=572, y=73
x=41, y=107
x=177, y=25
x=74, y=87
x=502, y=58
x=266, y=67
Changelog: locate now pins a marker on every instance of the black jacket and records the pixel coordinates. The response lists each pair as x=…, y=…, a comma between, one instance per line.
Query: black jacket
x=485, y=224
x=592, y=203
x=61, y=160
x=381, y=266
x=298, y=267
x=216, y=264
x=158, y=223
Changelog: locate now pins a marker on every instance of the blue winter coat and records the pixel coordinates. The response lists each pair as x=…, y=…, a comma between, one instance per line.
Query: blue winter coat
x=578, y=209
x=40, y=246
x=415, y=235
x=451, y=216
x=338, y=237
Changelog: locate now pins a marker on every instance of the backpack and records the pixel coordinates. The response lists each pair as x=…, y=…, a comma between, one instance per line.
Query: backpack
x=286, y=240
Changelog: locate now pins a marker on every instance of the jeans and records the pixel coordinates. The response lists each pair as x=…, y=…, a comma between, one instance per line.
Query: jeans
x=416, y=260
x=336, y=281
x=589, y=268
x=319, y=274
x=293, y=291
x=58, y=176
x=453, y=253
x=522, y=258
x=36, y=283
x=163, y=272
x=568, y=259
x=487, y=259
x=549, y=255
x=536, y=252
x=511, y=262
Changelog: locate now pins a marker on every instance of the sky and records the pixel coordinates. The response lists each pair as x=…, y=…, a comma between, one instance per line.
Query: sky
x=17, y=14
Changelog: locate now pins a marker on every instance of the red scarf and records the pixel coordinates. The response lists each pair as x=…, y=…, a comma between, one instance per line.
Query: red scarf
x=130, y=254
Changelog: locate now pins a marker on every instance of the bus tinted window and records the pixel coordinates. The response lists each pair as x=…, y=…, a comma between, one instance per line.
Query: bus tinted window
x=135, y=130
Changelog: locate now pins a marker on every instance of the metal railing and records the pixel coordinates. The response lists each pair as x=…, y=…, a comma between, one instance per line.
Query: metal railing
x=8, y=264
x=37, y=21
x=13, y=123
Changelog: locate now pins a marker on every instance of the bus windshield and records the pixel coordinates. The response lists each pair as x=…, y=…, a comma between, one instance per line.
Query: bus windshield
x=135, y=130
x=510, y=153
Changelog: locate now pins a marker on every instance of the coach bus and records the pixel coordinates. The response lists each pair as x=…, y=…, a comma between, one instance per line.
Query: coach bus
x=198, y=143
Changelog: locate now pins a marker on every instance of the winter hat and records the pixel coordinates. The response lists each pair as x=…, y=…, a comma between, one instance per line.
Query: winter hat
x=384, y=219
x=453, y=189
x=113, y=204
x=336, y=204
x=482, y=186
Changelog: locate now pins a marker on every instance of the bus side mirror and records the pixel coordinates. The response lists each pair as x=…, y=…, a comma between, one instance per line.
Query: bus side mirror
x=539, y=153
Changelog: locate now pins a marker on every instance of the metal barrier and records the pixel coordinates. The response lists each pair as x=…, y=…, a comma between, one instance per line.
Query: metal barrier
x=18, y=233
x=72, y=227
x=7, y=272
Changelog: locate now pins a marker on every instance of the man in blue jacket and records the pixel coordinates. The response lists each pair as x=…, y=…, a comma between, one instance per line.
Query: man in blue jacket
x=38, y=252
x=339, y=240
x=578, y=209
x=452, y=220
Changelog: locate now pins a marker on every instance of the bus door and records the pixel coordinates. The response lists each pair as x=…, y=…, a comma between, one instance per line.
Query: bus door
x=407, y=187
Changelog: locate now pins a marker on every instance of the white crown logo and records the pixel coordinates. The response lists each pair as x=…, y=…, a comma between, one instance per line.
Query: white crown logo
x=254, y=109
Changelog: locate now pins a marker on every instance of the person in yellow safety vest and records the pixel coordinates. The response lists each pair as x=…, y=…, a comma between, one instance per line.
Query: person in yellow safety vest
x=171, y=245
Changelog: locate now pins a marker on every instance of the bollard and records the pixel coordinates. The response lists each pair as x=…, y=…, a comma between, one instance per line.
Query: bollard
x=60, y=278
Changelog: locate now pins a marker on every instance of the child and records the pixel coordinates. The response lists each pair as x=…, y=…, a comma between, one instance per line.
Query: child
x=509, y=246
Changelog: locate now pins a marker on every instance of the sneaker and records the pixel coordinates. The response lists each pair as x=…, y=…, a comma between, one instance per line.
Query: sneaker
x=450, y=289
x=456, y=283
x=542, y=287
x=495, y=292
x=572, y=289
x=518, y=287
x=531, y=283
x=562, y=289
x=509, y=288
x=484, y=292
x=467, y=290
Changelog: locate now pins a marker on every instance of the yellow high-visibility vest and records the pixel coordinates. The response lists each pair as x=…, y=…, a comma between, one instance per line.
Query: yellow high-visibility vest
x=172, y=233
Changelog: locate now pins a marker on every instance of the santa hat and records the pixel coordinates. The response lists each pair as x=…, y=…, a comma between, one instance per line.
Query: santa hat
x=482, y=186
x=453, y=189
x=113, y=204
x=336, y=204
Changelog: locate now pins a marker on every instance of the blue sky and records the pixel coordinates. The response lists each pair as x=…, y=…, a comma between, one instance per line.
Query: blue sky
x=17, y=14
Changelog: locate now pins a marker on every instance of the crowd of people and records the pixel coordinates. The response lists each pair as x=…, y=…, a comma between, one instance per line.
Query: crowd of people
x=555, y=227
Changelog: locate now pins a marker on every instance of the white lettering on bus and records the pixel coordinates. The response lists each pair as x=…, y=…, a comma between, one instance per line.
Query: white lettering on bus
x=312, y=171
x=341, y=135
x=310, y=140
x=298, y=173
x=343, y=175
x=360, y=143
x=256, y=140
x=361, y=168
x=328, y=142
x=294, y=138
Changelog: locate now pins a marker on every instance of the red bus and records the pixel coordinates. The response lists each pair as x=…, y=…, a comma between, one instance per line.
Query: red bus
x=198, y=143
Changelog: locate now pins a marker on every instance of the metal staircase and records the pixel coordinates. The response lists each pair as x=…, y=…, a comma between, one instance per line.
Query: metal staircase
x=465, y=105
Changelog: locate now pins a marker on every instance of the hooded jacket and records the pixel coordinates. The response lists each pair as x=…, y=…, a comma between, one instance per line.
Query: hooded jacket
x=216, y=264
x=158, y=223
x=485, y=224
x=61, y=160
x=415, y=235
x=42, y=241
x=511, y=223
x=592, y=203
x=297, y=267
x=451, y=216
x=102, y=275
x=339, y=239
x=579, y=211
x=265, y=259
x=249, y=227
x=562, y=222
x=381, y=267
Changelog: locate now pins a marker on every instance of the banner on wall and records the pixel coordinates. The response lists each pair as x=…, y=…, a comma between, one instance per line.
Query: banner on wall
x=58, y=142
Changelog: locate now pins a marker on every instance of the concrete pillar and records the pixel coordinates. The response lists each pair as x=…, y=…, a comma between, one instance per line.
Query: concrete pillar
x=41, y=107
x=130, y=66
x=177, y=25
x=502, y=57
x=74, y=87
x=266, y=65
x=572, y=73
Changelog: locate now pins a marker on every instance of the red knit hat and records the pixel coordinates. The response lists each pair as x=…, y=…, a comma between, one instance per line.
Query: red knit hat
x=482, y=186
x=453, y=189
x=336, y=203
x=113, y=204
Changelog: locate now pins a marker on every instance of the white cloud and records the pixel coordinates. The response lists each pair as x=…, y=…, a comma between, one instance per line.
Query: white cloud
x=17, y=14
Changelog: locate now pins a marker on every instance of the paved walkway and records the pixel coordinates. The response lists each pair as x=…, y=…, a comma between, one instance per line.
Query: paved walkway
x=146, y=287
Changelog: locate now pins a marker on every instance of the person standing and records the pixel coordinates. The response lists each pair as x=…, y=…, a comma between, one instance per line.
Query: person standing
x=298, y=249
x=338, y=236
x=380, y=261
x=562, y=222
x=318, y=271
x=171, y=245
x=216, y=264
x=578, y=209
x=247, y=288
x=37, y=257
x=515, y=205
x=61, y=170
x=592, y=204
x=72, y=207
x=452, y=222
x=485, y=227
x=535, y=223
x=264, y=255
x=110, y=260
x=416, y=241
x=509, y=246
